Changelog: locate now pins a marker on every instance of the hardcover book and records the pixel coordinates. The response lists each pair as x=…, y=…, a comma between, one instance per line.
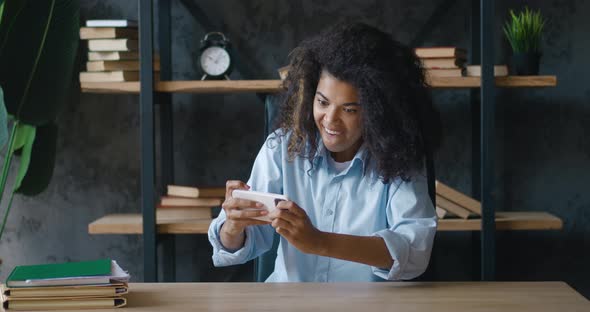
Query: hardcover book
x=183, y=201
x=458, y=197
x=111, y=23
x=107, y=33
x=438, y=52
x=113, y=45
x=196, y=192
x=453, y=208
x=102, y=271
x=110, y=76
x=92, y=66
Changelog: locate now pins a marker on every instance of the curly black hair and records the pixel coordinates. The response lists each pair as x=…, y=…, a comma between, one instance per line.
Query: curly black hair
x=399, y=120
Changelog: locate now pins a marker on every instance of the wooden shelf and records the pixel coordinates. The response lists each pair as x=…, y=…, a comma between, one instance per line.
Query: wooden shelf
x=503, y=82
x=133, y=224
x=273, y=86
x=505, y=221
x=188, y=86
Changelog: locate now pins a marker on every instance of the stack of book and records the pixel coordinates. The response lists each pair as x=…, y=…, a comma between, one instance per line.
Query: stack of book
x=72, y=285
x=187, y=202
x=112, y=51
x=452, y=203
x=442, y=61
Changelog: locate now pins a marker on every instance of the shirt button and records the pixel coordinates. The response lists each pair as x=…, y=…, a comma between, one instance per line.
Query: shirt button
x=329, y=212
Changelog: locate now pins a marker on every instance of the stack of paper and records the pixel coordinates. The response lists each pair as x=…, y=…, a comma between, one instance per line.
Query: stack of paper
x=72, y=285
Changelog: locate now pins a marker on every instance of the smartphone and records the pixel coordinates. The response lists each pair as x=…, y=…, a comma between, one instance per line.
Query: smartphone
x=268, y=200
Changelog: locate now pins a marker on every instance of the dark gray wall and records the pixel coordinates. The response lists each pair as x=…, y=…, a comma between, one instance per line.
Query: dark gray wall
x=543, y=151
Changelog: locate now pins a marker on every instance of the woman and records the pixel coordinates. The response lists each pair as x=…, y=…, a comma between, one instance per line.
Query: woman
x=349, y=154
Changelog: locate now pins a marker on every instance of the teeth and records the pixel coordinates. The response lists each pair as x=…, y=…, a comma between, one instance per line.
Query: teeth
x=331, y=132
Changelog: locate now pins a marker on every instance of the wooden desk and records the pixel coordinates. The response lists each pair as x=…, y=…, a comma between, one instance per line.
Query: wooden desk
x=366, y=297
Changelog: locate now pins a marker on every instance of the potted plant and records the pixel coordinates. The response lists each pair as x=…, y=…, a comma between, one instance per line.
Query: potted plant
x=38, y=46
x=524, y=31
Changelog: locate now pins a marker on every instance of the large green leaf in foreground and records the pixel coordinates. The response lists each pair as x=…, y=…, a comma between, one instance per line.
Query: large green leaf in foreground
x=38, y=44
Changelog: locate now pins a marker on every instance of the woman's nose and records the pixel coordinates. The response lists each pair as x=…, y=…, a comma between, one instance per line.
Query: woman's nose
x=331, y=115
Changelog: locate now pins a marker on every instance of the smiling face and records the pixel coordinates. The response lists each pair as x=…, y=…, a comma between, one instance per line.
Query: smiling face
x=337, y=116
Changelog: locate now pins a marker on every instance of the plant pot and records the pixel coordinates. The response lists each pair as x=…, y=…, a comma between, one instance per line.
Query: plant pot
x=525, y=64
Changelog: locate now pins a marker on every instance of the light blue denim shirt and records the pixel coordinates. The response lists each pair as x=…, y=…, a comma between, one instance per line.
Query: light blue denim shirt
x=349, y=202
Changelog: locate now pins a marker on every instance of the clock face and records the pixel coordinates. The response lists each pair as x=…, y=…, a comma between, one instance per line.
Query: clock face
x=215, y=61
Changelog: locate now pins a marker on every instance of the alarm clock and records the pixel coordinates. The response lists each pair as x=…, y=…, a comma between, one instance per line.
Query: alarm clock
x=214, y=59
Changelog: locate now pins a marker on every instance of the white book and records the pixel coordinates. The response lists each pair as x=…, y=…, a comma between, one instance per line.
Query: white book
x=93, y=66
x=475, y=70
x=110, y=45
x=109, y=76
x=111, y=23
x=116, y=55
x=112, y=56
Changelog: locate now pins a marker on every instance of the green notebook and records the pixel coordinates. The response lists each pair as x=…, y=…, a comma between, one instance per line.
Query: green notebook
x=69, y=273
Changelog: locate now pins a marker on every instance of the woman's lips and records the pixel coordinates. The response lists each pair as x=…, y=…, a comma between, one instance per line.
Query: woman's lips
x=332, y=132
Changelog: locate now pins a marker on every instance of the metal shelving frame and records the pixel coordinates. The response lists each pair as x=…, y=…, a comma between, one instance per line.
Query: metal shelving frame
x=482, y=124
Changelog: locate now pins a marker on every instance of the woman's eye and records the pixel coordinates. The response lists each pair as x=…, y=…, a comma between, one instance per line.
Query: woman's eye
x=322, y=102
x=350, y=110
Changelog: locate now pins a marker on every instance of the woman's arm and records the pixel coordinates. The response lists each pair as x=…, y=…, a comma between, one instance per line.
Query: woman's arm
x=234, y=236
x=401, y=251
x=292, y=222
x=370, y=250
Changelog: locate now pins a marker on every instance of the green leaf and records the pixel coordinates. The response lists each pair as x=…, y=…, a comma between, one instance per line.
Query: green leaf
x=3, y=121
x=6, y=214
x=5, y=169
x=23, y=133
x=524, y=30
x=25, y=158
x=1, y=9
x=42, y=161
x=7, y=24
x=38, y=46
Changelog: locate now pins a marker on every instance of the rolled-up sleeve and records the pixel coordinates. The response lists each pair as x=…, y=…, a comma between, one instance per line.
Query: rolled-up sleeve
x=410, y=236
x=266, y=176
x=258, y=240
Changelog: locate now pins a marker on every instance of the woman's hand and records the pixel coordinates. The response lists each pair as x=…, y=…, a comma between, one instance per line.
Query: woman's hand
x=292, y=222
x=237, y=219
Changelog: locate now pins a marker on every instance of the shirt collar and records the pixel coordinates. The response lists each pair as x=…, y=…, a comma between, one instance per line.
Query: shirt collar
x=360, y=156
